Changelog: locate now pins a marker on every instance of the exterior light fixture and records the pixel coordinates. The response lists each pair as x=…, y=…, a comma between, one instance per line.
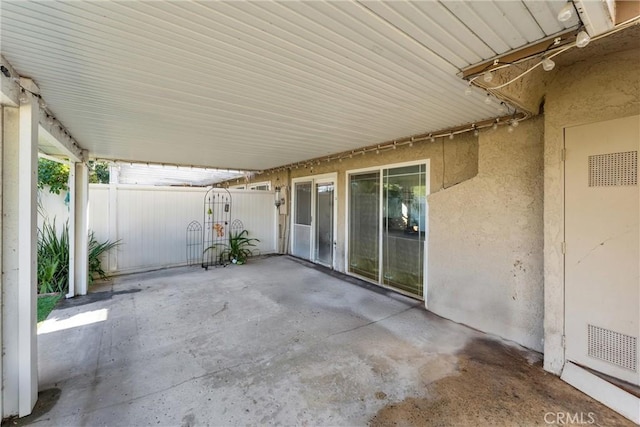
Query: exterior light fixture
x=451, y=135
x=582, y=39
x=548, y=64
x=566, y=12
x=279, y=199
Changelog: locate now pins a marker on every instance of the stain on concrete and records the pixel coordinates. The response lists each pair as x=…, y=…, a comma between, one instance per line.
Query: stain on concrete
x=46, y=400
x=294, y=346
x=188, y=420
x=495, y=384
x=92, y=297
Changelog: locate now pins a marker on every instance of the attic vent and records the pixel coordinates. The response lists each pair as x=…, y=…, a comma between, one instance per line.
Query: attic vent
x=613, y=169
x=613, y=347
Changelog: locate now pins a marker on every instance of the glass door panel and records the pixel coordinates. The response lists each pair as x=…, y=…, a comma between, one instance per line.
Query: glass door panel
x=324, y=224
x=302, y=220
x=403, y=234
x=364, y=224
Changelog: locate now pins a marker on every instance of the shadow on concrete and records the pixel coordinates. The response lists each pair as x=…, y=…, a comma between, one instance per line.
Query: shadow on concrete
x=46, y=400
x=92, y=297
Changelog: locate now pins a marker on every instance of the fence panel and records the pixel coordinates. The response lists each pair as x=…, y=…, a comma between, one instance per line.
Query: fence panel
x=151, y=222
x=258, y=214
x=52, y=207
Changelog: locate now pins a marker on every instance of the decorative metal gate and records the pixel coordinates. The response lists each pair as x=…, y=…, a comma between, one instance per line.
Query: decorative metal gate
x=194, y=243
x=217, y=215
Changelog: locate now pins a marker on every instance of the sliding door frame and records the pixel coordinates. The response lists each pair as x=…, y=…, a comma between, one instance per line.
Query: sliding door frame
x=380, y=170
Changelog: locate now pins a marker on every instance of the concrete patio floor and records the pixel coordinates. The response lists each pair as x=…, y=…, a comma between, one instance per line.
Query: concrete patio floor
x=279, y=341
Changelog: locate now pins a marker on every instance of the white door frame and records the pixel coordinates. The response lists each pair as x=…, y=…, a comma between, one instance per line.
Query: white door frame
x=584, y=380
x=315, y=179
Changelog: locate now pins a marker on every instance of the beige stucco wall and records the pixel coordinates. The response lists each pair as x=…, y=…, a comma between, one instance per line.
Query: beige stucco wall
x=485, y=242
x=495, y=238
x=602, y=88
x=451, y=162
x=485, y=220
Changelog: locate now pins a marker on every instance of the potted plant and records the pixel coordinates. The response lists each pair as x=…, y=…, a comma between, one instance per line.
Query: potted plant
x=237, y=250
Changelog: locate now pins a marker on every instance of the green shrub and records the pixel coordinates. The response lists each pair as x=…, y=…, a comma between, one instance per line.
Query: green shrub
x=53, y=257
x=96, y=249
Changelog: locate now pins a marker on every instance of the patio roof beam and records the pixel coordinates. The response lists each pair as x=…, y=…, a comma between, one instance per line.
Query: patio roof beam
x=51, y=130
x=9, y=88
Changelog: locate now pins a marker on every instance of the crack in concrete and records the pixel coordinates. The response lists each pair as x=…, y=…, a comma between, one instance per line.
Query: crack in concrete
x=224, y=307
x=372, y=322
x=129, y=401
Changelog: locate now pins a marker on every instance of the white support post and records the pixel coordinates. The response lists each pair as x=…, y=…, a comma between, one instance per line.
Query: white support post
x=1, y=265
x=72, y=230
x=27, y=254
x=19, y=258
x=81, y=213
x=114, y=177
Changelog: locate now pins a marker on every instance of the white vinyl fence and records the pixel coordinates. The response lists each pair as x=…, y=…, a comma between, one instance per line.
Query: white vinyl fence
x=151, y=222
x=52, y=206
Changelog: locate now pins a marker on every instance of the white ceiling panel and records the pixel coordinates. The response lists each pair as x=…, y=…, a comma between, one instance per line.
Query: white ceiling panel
x=142, y=174
x=254, y=85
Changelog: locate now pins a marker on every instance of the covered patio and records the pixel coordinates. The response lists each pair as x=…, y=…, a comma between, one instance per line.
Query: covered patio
x=430, y=156
x=285, y=342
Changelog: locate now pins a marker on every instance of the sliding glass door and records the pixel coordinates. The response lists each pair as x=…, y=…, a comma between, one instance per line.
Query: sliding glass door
x=403, y=236
x=364, y=225
x=387, y=226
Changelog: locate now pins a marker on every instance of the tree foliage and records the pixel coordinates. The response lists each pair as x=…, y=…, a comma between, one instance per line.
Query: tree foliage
x=98, y=172
x=53, y=174
x=56, y=175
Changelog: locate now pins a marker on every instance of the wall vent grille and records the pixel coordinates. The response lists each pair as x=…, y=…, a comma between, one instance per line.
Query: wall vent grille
x=613, y=169
x=613, y=347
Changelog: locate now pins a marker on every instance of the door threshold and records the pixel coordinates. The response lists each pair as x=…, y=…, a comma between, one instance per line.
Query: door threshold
x=626, y=386
x=605, y=392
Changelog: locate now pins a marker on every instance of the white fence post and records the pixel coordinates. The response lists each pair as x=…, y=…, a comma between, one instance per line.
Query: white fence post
x=114, y=172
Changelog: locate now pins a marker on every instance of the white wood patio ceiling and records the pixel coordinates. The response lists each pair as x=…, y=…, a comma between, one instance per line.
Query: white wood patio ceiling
x=254, y=85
